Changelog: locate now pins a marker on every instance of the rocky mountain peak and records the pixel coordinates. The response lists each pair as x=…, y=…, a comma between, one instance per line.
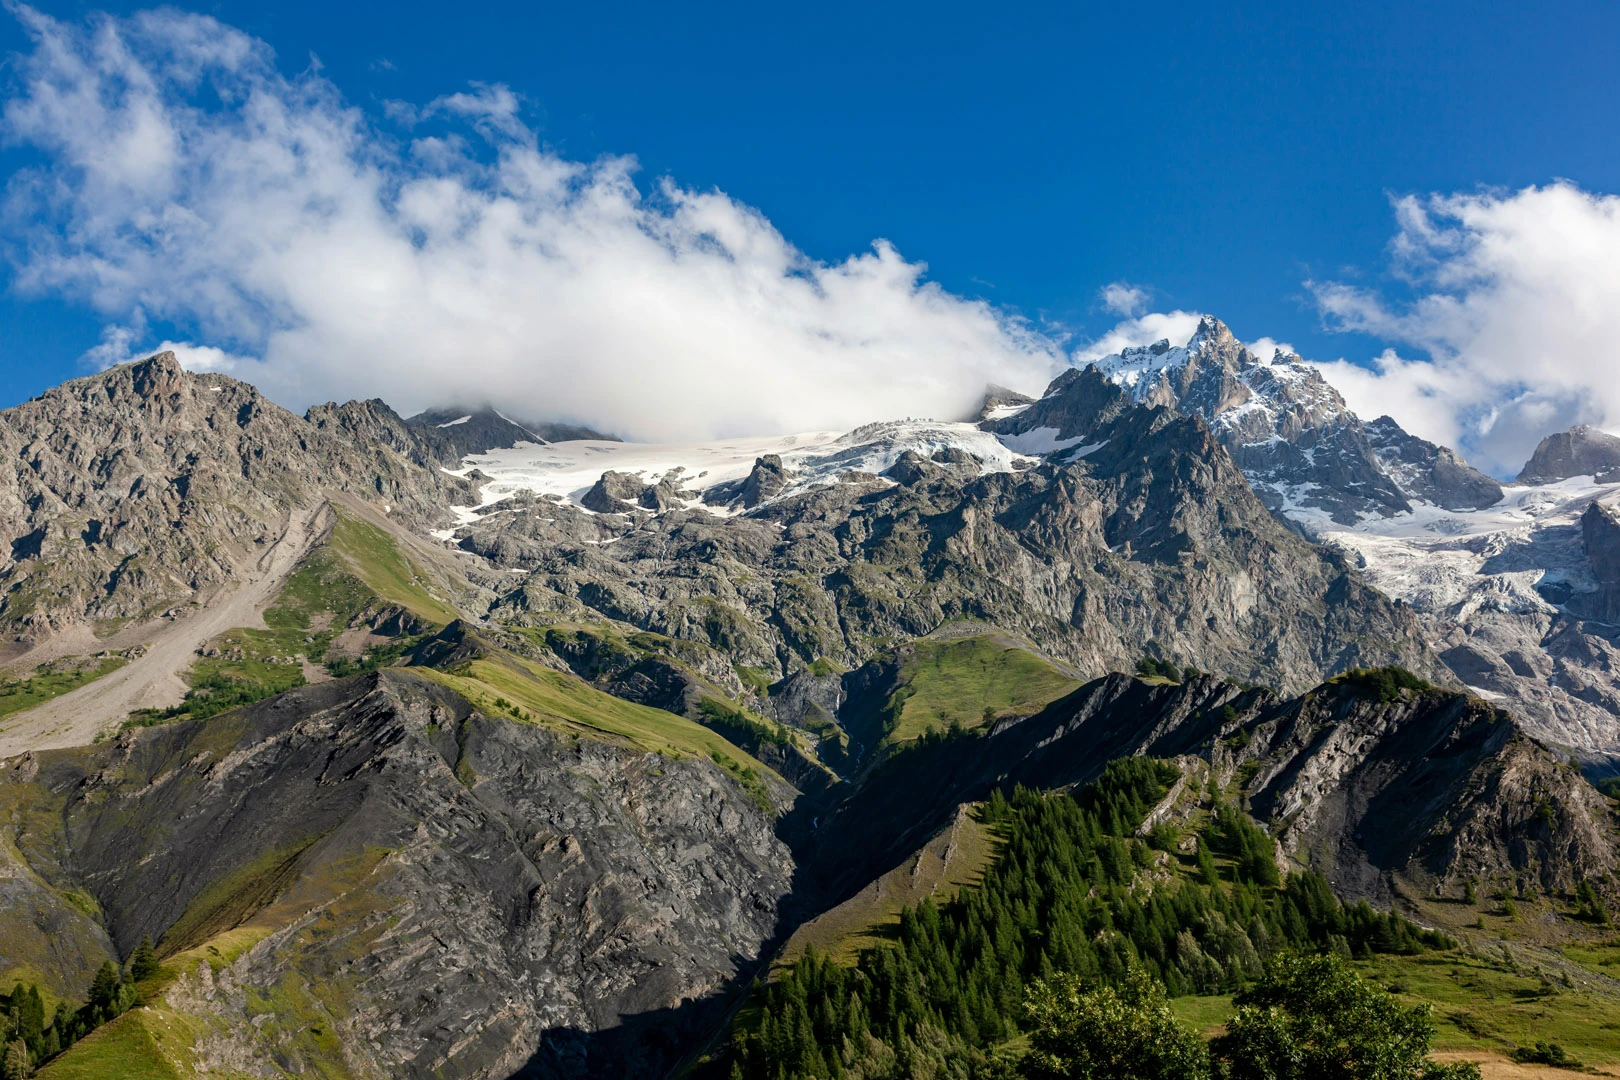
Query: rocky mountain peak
x=1583, y=450
x=157, y=374
x=182, y=476
x=1305, y=452
x=1212, y=333
x=999, y=401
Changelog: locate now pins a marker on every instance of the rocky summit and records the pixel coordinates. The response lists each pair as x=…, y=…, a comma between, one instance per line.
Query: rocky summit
x=460, y=746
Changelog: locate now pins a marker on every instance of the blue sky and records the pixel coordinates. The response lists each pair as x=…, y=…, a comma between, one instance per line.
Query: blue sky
x=1029, y=154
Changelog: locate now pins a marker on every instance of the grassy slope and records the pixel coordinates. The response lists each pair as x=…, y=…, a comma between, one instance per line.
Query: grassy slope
x=51, y=681
x=1481, y=1004
x=140, y=1045
x=953, y=860
x=388, y=571
x=530, y=693
x=969, y=681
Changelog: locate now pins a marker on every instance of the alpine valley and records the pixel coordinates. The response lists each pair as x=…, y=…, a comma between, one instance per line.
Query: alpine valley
x=460, y=745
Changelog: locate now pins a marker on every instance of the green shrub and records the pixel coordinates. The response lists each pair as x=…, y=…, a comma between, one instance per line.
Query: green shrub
x=1312, y=1016
x=1106, y=1032
x=1383, y=684
x=1544, y=1053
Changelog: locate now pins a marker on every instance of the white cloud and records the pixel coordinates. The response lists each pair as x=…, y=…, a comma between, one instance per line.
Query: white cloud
x=184, y=179
x=1266, y=348
x=1177, y=327
x=1516, y=308
x=492, y=108
x=1419, y=394
x=1124, y=299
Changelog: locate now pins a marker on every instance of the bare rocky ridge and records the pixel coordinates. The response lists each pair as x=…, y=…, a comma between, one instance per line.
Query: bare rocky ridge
x=1580, y=451
x=1431, y=788
x=466, y=431
x=145, y=488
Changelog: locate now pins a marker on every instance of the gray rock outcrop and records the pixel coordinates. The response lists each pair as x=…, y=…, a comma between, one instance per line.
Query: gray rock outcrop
x=1580, y=451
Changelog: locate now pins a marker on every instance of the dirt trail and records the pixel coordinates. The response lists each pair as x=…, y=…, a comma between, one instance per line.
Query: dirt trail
x=1496, y=1067
x=156, y=680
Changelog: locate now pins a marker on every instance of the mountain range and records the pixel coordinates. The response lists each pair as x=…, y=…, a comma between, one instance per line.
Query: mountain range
x=464, y=746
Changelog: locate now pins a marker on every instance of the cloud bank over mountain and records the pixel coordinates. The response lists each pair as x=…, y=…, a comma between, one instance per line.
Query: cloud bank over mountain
x=1514, y=310
x=447, y=255
x=439, y=252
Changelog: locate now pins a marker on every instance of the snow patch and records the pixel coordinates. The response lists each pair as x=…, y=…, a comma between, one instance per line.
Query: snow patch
x=1456, y=563
x=1001, y=412
x=454, y=423
x=1038, y=441
x=569, y=470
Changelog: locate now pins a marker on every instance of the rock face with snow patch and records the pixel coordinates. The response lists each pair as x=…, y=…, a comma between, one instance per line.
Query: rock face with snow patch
x=1428, y=472
x=620, y=493
x=469, y=431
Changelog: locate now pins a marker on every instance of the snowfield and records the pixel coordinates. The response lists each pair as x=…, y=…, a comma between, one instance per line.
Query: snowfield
x=567, y=470
x=1455, y=562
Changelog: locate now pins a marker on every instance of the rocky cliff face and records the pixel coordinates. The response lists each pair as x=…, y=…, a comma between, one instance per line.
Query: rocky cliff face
x=1600, y=541
x=1431, y=787
x=416, y=889
x=1285, y=426
x=144, y=487
x=1413, y=790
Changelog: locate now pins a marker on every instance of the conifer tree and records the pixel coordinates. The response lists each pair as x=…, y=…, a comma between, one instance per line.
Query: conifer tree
x=16, y=1064
x=143, y=962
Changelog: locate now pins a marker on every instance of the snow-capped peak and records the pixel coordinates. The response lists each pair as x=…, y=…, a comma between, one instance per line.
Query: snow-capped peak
x=1303, y=450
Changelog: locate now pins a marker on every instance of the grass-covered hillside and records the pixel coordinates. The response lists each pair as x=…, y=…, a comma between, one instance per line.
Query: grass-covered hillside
x=953, y=683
